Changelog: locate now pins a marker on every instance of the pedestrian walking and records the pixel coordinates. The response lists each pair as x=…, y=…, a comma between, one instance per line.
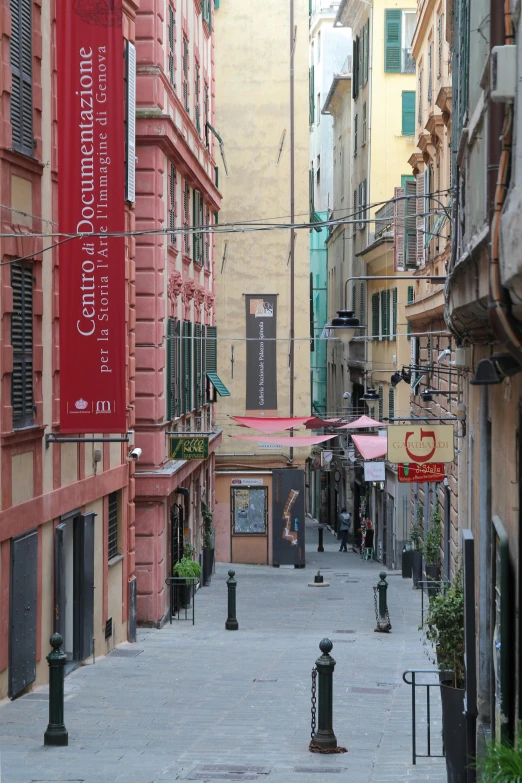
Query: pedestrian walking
x=344, y=519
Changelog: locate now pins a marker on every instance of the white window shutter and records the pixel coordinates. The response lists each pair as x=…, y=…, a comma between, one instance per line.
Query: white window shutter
x=420, y=219
x=130, y=168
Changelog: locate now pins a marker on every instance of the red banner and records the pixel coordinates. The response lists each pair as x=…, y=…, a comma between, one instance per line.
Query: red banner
x=412, y=473
x=91, y=202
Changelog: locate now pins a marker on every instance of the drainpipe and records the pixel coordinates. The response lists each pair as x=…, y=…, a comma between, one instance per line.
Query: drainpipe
x=292, y=217
x=484, y=582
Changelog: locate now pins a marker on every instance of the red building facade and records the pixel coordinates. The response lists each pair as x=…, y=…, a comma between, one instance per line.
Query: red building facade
x=176, y=191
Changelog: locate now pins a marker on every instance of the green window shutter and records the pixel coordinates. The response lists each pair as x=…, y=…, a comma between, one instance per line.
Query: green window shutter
x=410, y=300
x=385, y=310
x=22, y=395
x=381, y=403
x=392, y=43
x=197, y=366
x=171, y=358
x=186, y=367
x=211, y=349
x=21, y=60
x=391, y=403
x=408, y=113
x=394, y=314
x=375, y=315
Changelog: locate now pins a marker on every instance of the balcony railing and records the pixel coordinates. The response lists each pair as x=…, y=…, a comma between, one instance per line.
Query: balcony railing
x=408, y=61
x=384, y=219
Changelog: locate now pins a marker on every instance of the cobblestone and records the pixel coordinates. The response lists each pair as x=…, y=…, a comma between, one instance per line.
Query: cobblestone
x=199, y=695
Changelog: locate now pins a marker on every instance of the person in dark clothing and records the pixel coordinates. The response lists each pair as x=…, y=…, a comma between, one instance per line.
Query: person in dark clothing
x=344, y=528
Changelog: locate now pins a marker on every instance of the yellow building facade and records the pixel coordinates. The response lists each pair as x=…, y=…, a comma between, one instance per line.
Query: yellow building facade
x=254, y=268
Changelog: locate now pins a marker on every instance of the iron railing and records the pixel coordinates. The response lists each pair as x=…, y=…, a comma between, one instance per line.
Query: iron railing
x=182, y=597
x=414, y=684
x=431, y=587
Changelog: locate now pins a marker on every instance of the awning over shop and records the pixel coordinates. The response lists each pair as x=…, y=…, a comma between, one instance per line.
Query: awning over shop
x=218, y=384
x=286, y=440
x=371, y=446
x=361, y=423
x=316, y=423
x=270, y=423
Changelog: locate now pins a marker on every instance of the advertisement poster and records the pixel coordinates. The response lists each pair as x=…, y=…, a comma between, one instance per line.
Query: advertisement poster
x=288, y=517
x=91, y=169
x=261, y=370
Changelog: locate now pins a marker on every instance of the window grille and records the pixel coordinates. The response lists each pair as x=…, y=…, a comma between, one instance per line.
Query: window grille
x=22, y=393
x=112, y=526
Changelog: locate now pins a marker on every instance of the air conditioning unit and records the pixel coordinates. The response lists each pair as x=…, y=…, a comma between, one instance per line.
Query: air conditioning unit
x=503, y=73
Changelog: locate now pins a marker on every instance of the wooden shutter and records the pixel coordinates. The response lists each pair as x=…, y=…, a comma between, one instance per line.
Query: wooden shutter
x=367, y=36
x=22, y=396
x=364, y=54
x=21, y=59
x=439, y=59
x=187, y=366
x=186, y=208
x=394, y=314
x=172, y=46
x=381, y=403
x=312, y=316
x=185, y=64
x=430, y=72
x=172, y=203
x=198, y=386
x=130, y=147
x=408, y=113
x=355, y=133
x=410, y=227
x=420, y=218
x=177, y=386
x=171, y=358
x=355, y=68
x=362, y=309
x=398, y=215
x=364, y=124
x=391, y=404
x=392, y=44
x=211, y=349
x=197, y=90
x=411, y=299
x=375, y=315
x=385, y=314
x=196, y=235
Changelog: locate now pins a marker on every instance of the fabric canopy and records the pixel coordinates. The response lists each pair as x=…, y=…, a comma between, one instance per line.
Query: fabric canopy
x=286, y=440
x=316, y=423
x=364, y=421
x=371, y=446
x=270, y=424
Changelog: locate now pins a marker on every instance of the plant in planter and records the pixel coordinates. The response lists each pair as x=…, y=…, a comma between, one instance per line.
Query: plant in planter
x=502, y=762
x=208, y=544
x=431, y=549
x=444, y=628
x=415, y=542
x=187, y=569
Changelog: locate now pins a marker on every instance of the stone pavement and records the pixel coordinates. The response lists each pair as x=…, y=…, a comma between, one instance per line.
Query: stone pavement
x=197, y=696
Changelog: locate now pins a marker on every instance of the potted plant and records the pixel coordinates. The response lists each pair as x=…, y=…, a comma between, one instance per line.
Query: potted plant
x=415, y=543
x=431, y=550
x=187, y=569
x=444, y=628
x=502, y=762
x=208, y=544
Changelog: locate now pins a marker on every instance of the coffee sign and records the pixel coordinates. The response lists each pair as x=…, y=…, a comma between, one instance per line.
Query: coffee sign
x=420, y=444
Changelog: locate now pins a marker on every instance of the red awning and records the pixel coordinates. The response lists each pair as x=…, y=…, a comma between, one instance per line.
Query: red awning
x=371, y=446
x=316, y=423
x=286, y=440
x=270, y=424
x=364, y=421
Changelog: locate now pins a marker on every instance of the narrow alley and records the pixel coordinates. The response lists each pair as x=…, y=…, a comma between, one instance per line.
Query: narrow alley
x=200, y=703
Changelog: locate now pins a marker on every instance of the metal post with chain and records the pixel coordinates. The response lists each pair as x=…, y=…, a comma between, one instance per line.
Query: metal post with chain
x=314, y=701
x=382, y=616
x=323, y=740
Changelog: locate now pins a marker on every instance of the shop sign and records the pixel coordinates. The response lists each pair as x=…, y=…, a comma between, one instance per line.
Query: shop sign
x=374, y=471
x=411, y=473
x=189, y=447
x=326, y=459
x=247, y=482
x=420, y=444
x=269, y=446
x=91, y=204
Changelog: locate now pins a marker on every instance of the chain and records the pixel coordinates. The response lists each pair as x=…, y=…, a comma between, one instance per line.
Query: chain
x=314, y=700
x=386, y=625
x=375, y=604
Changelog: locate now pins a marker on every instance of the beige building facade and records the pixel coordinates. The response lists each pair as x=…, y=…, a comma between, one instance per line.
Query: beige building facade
x=254, y=268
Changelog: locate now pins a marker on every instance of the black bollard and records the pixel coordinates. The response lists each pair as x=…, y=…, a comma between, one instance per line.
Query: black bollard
x=382, y=615
x=325, y=737
x=56, y=733
x=231, y=623
x=320, y=548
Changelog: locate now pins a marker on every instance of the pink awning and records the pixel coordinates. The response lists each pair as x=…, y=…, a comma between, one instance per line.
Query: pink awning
x=364, y=421
x=316, y=423
x=371, y=446
x=286, y=440
x=270, y=424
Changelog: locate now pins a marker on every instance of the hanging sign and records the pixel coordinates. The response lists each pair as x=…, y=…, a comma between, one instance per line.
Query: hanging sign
x=189, y=447
x=374, y=471
x=91, y=158
x=410, y=473
x=420, y=444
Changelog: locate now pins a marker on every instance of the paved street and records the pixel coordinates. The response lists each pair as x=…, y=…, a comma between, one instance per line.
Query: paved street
x=193, y=697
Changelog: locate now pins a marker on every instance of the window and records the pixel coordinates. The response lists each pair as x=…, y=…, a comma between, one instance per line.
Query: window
x=391, y=404
x=355, y=68
x=439, y=59
x=172, y=204
x=21, y=59
x=186, y=219
x=410, y=224
x=385, y=315
x=430, y=72
x=206, y=12
x=311, y=79
x=364, y=122
x=411, y=299
x=375, y=315
x=112, y=526
x=186, y=367
x=206, y=109
x=197, y=223
x=318, y=47
x=394, y=314
x=22, y=396
x=419, y=108
x=207, y=239
x=408, y=113
x=173, y=369
x=185, y=63
x=367, y=59
x=318, y=118
x=399, y=29
x=355, y=133
x=381, y=403
x=172, y=46
x=197, y=90
x=363, y=200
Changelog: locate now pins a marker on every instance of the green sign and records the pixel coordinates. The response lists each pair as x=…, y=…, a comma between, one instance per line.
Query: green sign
x=189, y=447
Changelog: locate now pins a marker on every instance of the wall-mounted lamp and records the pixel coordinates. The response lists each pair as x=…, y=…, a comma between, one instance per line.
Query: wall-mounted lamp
x=495, y=369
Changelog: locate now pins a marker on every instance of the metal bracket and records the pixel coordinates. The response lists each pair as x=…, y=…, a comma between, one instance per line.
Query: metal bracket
x=49, y=438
